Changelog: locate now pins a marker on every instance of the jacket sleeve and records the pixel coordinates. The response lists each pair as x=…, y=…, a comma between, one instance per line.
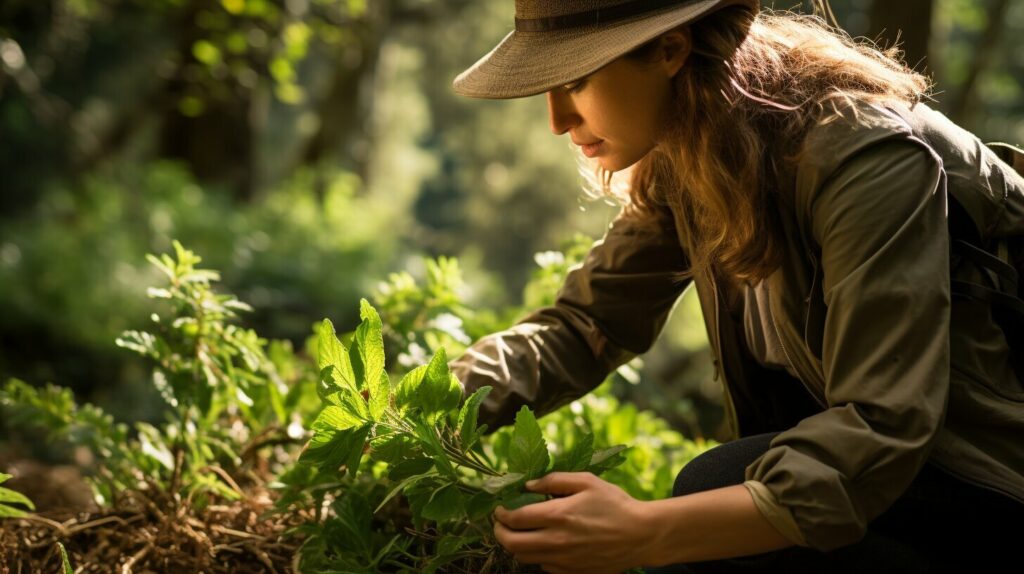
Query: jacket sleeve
x=879, y=219
x=610, y=309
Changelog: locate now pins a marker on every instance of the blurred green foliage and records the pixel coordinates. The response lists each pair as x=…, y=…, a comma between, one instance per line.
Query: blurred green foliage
x=71, y=273
x=306, y=146
x=228, y=393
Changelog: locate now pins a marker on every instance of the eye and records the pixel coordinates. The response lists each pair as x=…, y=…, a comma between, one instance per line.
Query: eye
x=574, y=86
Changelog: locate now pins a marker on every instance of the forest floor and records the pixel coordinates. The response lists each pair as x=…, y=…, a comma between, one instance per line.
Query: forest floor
x=145, y=530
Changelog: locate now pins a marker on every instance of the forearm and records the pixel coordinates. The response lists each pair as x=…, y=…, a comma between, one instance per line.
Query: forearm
x=710, y=525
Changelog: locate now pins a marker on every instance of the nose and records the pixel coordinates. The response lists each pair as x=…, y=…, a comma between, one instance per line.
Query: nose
x=562, y=114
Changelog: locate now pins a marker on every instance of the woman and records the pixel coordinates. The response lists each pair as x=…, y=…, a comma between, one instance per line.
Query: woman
x=798, y=182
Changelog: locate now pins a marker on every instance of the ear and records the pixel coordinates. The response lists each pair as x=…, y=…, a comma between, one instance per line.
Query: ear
x=676, y=45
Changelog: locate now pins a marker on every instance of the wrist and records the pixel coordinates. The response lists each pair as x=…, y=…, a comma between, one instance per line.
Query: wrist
x=652, y=549
x=708, y=525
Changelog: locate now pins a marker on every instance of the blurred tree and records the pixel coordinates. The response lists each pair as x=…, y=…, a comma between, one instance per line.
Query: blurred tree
x=965, y=102
x=82, y=80
x=907, y=23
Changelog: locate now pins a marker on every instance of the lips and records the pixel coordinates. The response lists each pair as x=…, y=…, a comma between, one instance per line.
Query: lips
x=591, y=149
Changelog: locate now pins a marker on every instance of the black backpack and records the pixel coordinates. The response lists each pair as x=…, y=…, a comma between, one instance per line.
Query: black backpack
x=999, y=263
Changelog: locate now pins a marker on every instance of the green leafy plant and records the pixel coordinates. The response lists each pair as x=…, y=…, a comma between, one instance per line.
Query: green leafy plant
x=426, y=441
x=421, y=313
x=225, y=396
x=53, y=410
x=8, y=497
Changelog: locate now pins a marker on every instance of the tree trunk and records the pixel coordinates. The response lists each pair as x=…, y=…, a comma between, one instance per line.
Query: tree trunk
x=342, y=138
x=217, y=145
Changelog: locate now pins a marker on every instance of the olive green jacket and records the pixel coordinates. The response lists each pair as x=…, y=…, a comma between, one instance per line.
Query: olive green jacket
x=891, y=372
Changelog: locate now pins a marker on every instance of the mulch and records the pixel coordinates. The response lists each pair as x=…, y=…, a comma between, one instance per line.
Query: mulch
x=148, y=531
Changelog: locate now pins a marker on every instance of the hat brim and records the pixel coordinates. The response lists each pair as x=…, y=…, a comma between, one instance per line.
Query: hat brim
x=529, y=63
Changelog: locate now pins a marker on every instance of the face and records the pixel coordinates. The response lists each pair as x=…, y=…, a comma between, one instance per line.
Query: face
x=615, y=114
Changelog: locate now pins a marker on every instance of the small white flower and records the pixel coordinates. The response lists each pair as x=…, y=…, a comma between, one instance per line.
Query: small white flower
x=452, y=326
x=295, y=430
x=547, y=259
x=413, y=356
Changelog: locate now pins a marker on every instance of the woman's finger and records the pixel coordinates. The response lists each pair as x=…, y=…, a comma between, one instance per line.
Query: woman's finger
x=520, y=542
x=563, y=483
x=531, y=516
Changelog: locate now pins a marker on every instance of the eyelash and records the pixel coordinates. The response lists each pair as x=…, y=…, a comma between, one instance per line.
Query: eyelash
x=573, y=88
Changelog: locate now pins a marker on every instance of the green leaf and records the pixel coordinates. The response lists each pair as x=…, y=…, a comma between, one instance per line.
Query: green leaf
x=431, y=389
x=392, y=448
x=327, y=387
x=369, y=341
x=440, y=391
x=329, y=349
x=335, y=418
x=607, y=458
x=579, y=457
x=64, y=560
x=276, y=399
x=408, y=389
x=451, y=544
x=380, y=395
x=354, y=521
x=11, y=512
x=8, y=496
x=432, y=446
x=481, y=505
x=354, y=403
x=411, y=467
x=448, y=552
x=468, y=415
x=401, y=487
x=496, y=484
x=440, y=560
x=356, y=454
x=331, y=352
x=528, y=452
x=446, y=504
x=330, y=448
x=520, y=500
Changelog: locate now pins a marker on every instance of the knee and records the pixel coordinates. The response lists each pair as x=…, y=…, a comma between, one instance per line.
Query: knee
x=721, y=466
x=702, y=473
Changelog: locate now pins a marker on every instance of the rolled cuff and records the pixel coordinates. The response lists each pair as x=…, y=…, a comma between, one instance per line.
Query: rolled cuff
x=777, y=515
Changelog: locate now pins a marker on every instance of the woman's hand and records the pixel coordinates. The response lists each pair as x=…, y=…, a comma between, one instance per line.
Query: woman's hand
x=595, y=527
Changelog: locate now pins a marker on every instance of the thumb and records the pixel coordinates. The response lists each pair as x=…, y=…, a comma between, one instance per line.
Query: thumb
x=562, y=483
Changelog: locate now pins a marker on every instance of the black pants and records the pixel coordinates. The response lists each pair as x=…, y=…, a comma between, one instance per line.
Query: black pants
x=940, y=524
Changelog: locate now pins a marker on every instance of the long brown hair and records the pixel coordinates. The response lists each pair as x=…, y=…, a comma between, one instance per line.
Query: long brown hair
x=749, y=91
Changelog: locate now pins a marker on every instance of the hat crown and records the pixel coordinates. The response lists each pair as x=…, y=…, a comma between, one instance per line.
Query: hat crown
x=529, y=9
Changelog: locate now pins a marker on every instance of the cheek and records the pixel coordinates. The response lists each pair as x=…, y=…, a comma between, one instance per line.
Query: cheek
x=635, y=120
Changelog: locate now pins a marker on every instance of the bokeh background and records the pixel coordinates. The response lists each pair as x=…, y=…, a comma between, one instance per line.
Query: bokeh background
x=308, y=148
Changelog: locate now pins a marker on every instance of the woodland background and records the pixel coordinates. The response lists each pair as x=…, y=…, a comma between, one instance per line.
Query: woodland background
x=308, y=148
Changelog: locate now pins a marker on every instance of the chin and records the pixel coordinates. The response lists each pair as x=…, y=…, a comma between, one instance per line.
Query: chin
x=610, y=162
x=614, y=164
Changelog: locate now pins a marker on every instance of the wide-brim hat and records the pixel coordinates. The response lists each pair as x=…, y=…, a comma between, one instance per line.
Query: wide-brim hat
x=556, y=42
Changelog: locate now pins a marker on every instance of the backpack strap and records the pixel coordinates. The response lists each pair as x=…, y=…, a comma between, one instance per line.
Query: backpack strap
x=1006, y=274
x=967, y=242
